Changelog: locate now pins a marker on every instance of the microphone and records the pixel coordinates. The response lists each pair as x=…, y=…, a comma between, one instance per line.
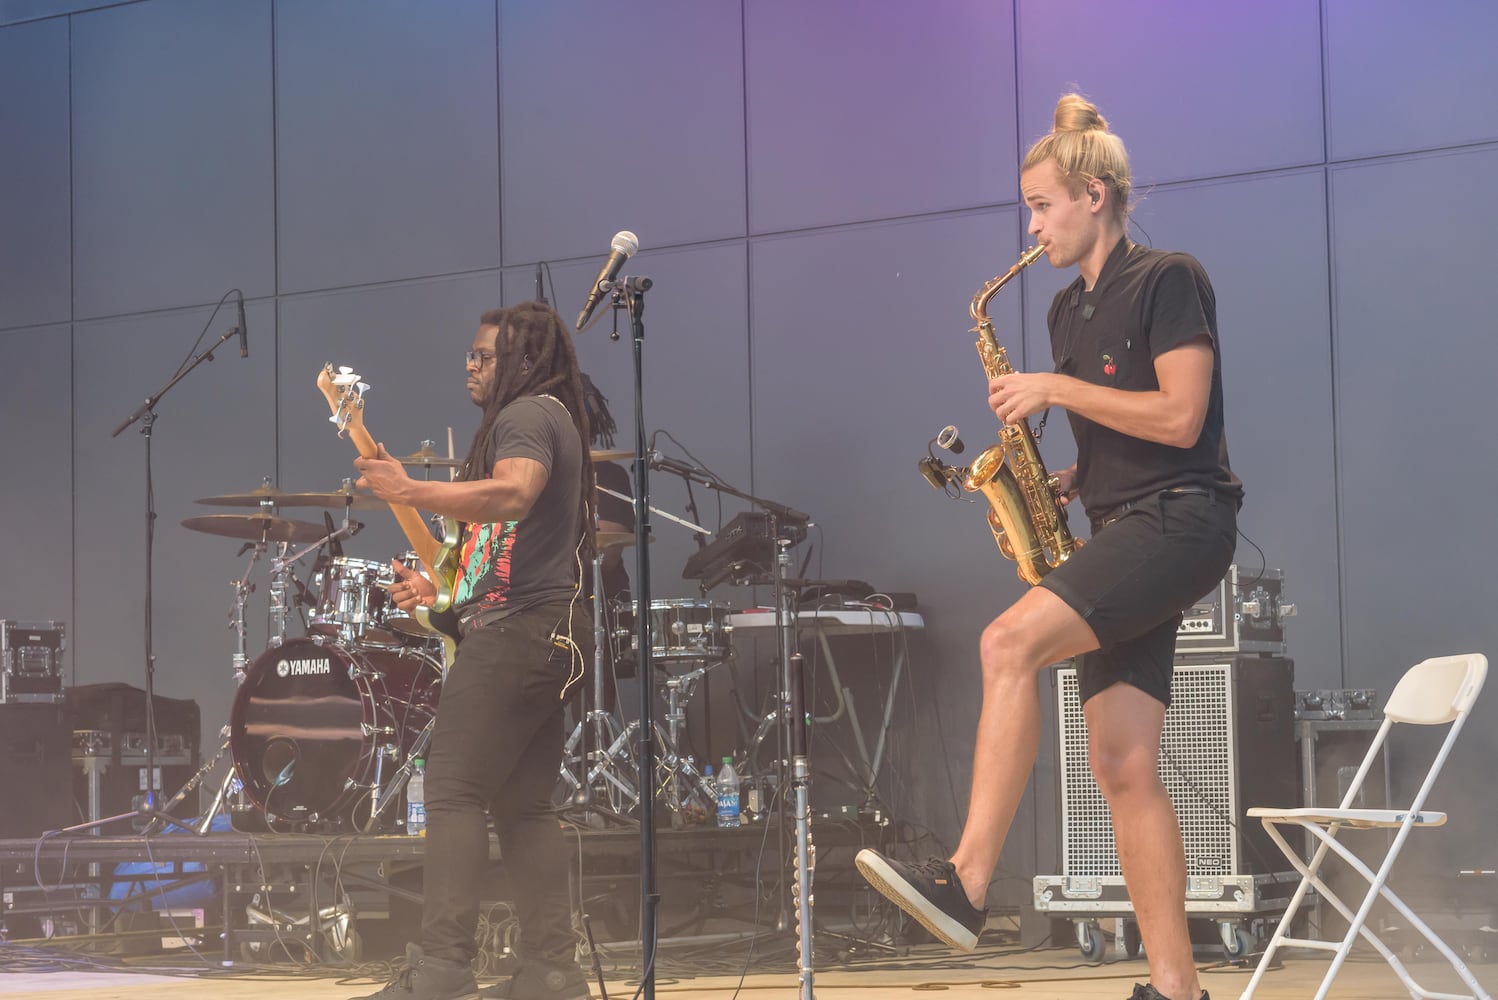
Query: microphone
x=244, y=340
x=661, y=463
x=949, y=440
x=623, y=247
x=541, y=292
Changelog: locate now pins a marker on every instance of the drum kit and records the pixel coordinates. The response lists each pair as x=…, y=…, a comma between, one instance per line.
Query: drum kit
x=324, y=726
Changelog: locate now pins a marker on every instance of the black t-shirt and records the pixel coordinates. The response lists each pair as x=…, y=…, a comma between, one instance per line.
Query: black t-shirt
x=1146, y=302
x=520, y=564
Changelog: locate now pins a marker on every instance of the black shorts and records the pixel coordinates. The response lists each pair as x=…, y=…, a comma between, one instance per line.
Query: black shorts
x=1131, y=582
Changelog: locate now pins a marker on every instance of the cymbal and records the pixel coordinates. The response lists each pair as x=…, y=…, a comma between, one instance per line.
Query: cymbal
x=429, y=457
x=607, y=539
x=256, y=527
x=283, y=498
x=613, y=455
x=254, y=498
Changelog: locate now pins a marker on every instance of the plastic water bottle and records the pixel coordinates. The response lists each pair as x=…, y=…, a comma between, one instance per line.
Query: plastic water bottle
x=728, y=794
x=416, y=799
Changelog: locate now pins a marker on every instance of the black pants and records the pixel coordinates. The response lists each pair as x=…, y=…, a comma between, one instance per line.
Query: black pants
x=498, y=745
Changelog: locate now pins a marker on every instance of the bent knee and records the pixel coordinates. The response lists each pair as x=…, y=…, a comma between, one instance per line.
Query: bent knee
x=1121, y=773
x=1006, y=651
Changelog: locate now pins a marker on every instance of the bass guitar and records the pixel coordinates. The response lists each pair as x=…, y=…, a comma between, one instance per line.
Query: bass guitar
x=344, y=391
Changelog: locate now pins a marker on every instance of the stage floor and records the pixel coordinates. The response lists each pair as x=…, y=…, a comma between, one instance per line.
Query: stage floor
x=1052, y=973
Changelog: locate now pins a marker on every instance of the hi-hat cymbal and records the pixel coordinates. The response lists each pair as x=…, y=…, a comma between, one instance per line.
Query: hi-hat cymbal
x=256, y=527
x=428, y=456
x=283, y=498
x=608, y=539
x=612, y=455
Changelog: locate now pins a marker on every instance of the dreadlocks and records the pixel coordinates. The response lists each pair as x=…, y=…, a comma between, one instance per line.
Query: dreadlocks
x=600, y=420
x=534, y=355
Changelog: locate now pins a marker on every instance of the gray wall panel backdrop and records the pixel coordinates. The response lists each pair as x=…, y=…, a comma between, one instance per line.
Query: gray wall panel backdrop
x=819, y=190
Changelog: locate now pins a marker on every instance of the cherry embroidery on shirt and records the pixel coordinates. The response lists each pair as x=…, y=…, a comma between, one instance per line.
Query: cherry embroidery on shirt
x=1109, y=367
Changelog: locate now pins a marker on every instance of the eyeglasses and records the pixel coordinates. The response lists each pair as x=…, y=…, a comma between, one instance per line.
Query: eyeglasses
x=478, y=358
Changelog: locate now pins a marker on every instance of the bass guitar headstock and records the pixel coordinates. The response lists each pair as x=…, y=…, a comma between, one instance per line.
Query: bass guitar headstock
x=344, y=391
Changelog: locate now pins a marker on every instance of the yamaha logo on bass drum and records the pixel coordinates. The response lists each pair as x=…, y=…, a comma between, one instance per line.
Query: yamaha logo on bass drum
x=302, y=668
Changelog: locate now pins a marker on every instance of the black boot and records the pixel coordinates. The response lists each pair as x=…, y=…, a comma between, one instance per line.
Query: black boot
x=426, y=978
x=538, y=980
x=1148, y=992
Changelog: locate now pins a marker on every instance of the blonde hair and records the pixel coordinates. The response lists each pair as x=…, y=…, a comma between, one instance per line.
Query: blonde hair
x=1084, y=151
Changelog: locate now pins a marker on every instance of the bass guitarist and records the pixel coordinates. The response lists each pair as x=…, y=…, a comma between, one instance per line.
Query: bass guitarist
x=524, y=501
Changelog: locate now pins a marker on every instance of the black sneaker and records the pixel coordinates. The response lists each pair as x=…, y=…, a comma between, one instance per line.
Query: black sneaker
x=930, y=892
x=426, y=978
x=1148, y=992
x=537, y=980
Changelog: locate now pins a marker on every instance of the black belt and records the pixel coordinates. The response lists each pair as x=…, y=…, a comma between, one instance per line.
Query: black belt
x=477, y=619
x=1194, y=491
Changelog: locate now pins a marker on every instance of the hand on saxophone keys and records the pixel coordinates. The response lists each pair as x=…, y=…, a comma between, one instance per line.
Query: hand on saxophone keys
x=1064, y=482
x=1015, y=396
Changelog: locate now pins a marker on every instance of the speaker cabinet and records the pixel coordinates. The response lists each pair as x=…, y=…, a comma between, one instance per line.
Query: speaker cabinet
x=1228, y=744
x=36, y=745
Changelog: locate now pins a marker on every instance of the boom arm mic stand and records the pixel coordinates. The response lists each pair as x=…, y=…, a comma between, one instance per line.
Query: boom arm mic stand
x=629, y=295
x=146, y=414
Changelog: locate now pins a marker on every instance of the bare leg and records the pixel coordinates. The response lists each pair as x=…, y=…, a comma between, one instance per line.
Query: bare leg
x=1038, y=630
x=1123, y=725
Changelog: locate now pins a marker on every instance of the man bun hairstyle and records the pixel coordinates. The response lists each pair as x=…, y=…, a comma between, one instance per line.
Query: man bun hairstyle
x=1085, y=151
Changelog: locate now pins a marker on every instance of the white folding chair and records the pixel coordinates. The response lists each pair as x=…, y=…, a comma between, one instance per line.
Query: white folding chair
x=1433, y=692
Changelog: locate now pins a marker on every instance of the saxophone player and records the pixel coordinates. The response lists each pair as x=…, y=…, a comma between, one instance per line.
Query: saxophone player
x=1138, y=371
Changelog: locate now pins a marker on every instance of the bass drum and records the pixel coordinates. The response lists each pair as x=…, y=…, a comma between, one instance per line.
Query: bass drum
x=312, y=718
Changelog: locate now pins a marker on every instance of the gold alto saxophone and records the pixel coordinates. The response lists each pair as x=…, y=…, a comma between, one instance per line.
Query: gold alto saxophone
x=1027, y=521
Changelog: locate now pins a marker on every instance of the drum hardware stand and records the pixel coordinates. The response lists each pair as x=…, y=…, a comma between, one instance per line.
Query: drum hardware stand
x=280, y=572
x=146, y=414
x=380, y=799
x=683, y=769
x=611, y=744
x=597, y=771
x=785, y=626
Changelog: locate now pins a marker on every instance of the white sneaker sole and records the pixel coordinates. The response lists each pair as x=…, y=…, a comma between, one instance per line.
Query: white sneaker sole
x=904, y=895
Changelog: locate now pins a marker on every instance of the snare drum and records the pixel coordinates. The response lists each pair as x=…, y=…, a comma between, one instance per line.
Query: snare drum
x=352, y=602
x=679, y=630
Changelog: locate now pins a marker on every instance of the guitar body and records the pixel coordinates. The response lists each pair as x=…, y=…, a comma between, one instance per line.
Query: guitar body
x=345, y=395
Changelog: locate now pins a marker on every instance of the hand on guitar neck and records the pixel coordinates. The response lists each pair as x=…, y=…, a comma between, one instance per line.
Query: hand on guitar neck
x=344, y=392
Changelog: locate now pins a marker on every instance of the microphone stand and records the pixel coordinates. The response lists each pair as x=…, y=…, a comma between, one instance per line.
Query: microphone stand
x=146, y=414
x=629, y=295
